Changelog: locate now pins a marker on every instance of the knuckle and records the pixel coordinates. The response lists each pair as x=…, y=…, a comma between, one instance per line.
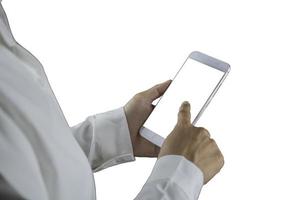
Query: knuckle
x=156, y=85
x=138, y=95
x=183, y=124
x=140, y=98
x=182, y=112
x=156, y=90
x=223, y=162
x=203, y=130
x=220, y=158
x=213, y=142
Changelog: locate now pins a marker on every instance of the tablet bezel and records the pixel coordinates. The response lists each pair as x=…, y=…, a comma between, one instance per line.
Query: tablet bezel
x=207, y=60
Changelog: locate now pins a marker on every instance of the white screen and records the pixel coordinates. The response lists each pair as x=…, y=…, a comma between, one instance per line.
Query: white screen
x=194, y=83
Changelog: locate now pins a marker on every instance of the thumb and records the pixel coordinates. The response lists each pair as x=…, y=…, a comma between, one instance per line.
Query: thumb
x=157, y=90
x=184, y=114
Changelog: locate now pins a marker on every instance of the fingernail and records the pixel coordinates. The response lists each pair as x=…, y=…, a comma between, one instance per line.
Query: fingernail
x=185, y=103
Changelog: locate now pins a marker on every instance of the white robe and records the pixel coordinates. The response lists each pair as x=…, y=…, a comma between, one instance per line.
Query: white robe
x=42, y=158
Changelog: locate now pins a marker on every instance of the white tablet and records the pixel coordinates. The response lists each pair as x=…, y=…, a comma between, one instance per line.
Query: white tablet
x=197, y=81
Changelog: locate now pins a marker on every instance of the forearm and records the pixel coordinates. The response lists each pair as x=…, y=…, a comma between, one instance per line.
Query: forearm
x=105, y=139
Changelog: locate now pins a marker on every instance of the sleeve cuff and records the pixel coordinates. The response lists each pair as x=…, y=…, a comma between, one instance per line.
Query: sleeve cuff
x=112, y=143
x=179, y=171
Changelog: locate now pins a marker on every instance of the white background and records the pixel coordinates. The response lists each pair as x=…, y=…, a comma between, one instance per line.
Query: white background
x=98, y=54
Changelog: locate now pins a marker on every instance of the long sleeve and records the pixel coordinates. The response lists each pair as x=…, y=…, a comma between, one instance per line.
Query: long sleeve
x=7, y=191
x=105, y=139
x=40, y=159
x=173, y=177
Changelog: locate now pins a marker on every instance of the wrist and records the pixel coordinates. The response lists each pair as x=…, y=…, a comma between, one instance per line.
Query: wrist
x=179, y=171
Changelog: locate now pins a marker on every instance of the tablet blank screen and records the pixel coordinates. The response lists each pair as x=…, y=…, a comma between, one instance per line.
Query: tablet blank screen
x=194, y=83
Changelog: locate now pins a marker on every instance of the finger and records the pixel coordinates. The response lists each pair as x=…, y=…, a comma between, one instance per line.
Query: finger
x=153, y=150
x=156, y=151
x=157, y=90
x=204, y=132
x=184, y=114
x=146, y=148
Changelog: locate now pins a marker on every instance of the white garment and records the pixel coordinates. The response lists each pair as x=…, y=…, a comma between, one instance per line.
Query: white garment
x=42, y=158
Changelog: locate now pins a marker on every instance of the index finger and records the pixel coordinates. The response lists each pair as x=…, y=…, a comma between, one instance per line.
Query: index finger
x=184, y=114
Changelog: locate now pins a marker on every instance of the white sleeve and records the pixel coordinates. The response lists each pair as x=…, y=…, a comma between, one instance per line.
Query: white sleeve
x=173, y=177
x=6, y=190
x=105, y=139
